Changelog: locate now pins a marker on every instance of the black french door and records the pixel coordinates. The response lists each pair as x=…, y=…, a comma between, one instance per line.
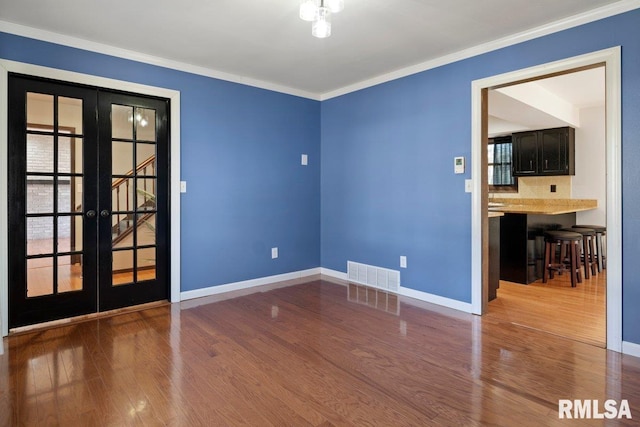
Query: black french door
x=88, y=200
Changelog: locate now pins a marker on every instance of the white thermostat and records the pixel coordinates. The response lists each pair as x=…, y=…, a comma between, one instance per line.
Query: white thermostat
x=458, y=164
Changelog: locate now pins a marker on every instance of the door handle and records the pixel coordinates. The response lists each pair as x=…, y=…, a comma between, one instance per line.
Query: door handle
x=91, y=214
x=104, y=213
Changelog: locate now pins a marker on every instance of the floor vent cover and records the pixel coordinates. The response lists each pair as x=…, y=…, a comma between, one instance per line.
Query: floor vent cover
x=377, y=277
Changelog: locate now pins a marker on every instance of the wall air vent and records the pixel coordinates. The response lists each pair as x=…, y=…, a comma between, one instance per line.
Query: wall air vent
x=377, y=277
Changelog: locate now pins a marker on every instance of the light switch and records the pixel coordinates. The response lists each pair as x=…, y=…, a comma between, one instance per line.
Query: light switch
x=304, y=160
x=468, y=186
x=403, y=261
x=183, y=186
x=274, y=253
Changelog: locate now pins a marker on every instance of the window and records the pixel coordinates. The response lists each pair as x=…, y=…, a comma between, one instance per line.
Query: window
x=499, y=173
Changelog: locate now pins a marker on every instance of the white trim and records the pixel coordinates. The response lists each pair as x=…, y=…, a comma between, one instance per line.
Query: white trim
x=35, y=70
x=246, y=284
x=630, y=348
x=435, y=299
x=611, y=57
x=78, y=43
x=334, y=273
x=553, y=27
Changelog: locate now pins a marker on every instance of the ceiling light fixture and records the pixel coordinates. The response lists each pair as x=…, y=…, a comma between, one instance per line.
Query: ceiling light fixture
x=319, y=12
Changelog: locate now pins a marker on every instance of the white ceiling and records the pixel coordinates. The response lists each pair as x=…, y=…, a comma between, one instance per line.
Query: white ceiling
x=551, y=102
x=265, y=43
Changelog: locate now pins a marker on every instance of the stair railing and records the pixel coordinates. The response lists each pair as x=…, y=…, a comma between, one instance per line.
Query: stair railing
x=116, y=190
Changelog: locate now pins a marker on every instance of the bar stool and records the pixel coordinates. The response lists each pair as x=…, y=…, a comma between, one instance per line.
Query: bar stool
x=569, y=243
x=588, y=248
x=601, y=244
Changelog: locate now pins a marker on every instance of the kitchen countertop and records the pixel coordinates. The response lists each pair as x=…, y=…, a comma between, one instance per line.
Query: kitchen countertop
x=540, y=206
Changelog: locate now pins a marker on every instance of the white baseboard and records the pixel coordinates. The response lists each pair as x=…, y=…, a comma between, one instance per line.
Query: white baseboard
x=630, y=348
x=333, y=273
x=436, y=299
x=261, y=281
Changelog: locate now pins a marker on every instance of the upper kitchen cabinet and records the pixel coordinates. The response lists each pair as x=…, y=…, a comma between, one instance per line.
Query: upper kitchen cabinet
x=544, y=152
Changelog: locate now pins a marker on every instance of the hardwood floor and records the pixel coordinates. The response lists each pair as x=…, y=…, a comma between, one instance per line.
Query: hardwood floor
x=317, y=353
x=555, y=307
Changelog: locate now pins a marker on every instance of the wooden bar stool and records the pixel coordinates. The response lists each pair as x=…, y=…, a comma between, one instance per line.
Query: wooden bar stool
x=601, y=244
x=588, y=249
x=569, y=245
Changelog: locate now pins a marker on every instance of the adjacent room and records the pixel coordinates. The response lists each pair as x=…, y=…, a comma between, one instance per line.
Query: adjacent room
x=319, y=212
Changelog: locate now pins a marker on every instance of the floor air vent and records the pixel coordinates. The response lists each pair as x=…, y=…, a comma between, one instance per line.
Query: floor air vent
x=377, y=277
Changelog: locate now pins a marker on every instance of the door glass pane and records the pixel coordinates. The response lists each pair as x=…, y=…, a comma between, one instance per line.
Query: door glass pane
x=145, y=159
x=70, y=115
x=146, y=229
x=145, y=124
x=40, y=235
x=39, y=109
x=122, y=267
x=39, y=277
x=64, y=194
x=69, y=155
x=69, y=194
x=70, y=233
x=122, y=158
x=121, y=122
x=146, y=264
x=40, y=153
x=69, y=273
x=39, y=194
x=146, y=194
x=122, y=194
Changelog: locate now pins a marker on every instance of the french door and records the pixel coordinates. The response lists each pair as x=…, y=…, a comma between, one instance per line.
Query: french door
x=88, y=200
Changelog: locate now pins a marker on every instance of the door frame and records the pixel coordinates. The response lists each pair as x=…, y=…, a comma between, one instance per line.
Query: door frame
x=611, y=58
x=7, y=67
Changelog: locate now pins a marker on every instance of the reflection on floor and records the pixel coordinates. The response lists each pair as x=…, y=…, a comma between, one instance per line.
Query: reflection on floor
x=555, y=307
x=303, y=355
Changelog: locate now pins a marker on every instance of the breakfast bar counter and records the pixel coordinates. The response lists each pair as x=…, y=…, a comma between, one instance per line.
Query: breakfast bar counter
x=522, y=232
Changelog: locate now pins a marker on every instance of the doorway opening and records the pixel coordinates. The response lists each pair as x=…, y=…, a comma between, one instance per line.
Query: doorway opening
x=608, y=301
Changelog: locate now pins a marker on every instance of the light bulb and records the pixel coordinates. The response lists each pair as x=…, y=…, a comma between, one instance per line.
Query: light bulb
x=308, y=9
x=322, y=25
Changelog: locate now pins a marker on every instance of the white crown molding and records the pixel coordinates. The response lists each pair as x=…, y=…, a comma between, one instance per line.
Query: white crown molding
x=61, y=39
x=554, y=27
x=563, y=24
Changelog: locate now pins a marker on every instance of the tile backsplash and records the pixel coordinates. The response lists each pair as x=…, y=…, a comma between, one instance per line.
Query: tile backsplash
x=539, y=187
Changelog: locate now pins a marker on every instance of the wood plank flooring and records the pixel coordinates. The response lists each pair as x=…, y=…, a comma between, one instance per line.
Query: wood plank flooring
x=555, y=307
x=304, y=355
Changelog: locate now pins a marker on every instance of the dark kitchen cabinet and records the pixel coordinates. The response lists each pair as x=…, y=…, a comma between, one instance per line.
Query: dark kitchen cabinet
x=544, y=152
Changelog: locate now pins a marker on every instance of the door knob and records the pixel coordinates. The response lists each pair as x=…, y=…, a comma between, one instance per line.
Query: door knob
x=91, y=214
x=104, y=213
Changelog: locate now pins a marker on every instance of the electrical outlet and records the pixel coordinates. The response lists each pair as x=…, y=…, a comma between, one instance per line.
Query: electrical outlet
x=304, y=160
x=403, y=261
x=553, y=188
x=274, y=253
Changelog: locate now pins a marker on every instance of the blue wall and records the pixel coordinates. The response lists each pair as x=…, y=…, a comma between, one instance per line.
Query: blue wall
x=240, y=149
x=388, y=187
